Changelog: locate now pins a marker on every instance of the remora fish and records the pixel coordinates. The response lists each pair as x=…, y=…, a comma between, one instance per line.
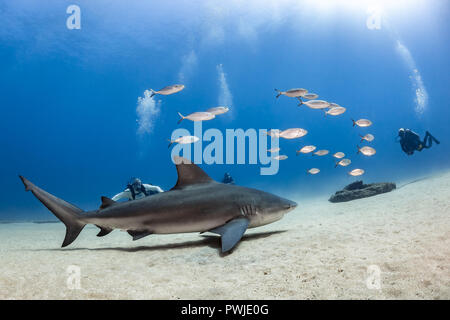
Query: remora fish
x=195, y=204
x=168, y=90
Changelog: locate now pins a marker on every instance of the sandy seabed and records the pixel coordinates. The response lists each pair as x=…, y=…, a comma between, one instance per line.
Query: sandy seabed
x=391, y=246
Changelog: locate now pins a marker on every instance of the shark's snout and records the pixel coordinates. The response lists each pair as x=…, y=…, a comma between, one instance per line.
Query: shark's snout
x=289, y=205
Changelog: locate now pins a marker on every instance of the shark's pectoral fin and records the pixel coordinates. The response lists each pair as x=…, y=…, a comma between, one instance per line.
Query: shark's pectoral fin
x=104, y=231
x=231, y=232
x=136, y=234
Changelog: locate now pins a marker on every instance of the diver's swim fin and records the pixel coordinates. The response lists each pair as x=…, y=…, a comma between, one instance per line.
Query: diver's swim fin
x=231, y=232
x=434, y=139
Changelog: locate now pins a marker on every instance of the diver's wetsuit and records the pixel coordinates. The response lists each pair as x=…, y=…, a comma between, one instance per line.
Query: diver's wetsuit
x=227, y=179
x=410, y=141
x=130, y=194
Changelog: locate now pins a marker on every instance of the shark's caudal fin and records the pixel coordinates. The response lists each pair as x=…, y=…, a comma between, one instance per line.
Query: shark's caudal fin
x=189, y=173
x=64, y=211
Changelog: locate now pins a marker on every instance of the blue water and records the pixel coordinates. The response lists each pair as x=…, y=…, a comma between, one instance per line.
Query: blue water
x=69, y=96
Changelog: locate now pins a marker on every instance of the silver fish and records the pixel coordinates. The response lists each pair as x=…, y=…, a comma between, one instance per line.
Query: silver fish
x=356, y=172
x=335, y=111
x=272, y=150
x=368, y=137
x=168, y=90
x=274, y=133
x=321, y=152
x=316, y=104
x=310, y=96
x=343, y=163
x=184, y=140
x=306, y=149
x=197, y=116
x=218, y=110
x=313, y=171
x=339, y=155
x=280, y=157
x=293, y=93
x=362, y=123
x=293, y=133
x=367, y=151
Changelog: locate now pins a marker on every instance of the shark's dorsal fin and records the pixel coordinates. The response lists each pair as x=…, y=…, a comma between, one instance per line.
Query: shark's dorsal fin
x=189, y=173
x=106, y=202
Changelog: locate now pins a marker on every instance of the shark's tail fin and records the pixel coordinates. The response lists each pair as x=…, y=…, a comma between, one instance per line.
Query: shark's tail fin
x=359, y=149
x=64, y=211
x=152, y=93
x=354, y=122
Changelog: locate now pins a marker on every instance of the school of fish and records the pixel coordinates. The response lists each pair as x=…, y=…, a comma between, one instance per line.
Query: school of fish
x=304, y=97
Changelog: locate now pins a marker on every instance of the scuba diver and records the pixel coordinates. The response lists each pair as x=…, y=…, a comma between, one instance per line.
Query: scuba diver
x=227, y=179
x=410, y=141
x=137, y=190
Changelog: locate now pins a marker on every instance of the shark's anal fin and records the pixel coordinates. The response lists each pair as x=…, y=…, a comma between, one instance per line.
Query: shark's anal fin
x=137, y=234
x=104, y=231
x=231, y=232
x=106, y=202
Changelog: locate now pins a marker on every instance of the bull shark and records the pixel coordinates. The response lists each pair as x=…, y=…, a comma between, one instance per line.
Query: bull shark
x=196, y=203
